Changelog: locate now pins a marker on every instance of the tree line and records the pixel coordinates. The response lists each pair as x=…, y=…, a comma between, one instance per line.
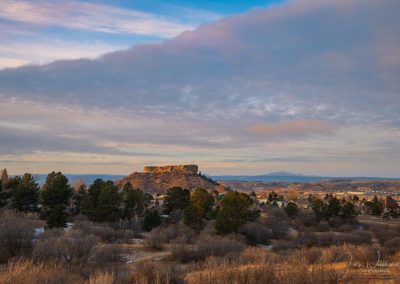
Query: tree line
x=103, y=201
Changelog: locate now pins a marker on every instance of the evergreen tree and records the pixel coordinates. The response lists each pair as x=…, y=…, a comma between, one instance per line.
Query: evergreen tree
x=176, y=198
x=109, y=203
x=56, y=195
x=333, y=208
x=25, y=194
x=235, y=211
x=348, y=211
x=376, y=207
x=79, y=198
x=91, y=200
x=272, y=196
x=8, y=188
x=135, y=201
x=291, y=209
x=151, y=220
x=320, y=209
x=4, y=195
x=386, y=215
x=56, y=217
x=392, y=207
x=199, y=209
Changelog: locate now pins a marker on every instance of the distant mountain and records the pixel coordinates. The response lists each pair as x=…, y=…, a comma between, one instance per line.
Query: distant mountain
x=88, y=179
x=282, y=176
x=279, y=176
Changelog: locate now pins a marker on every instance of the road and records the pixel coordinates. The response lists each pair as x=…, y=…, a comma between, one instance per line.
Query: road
x=369, y=220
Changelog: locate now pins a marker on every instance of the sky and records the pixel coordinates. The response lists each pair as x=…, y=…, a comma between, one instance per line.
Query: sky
x=237, y=87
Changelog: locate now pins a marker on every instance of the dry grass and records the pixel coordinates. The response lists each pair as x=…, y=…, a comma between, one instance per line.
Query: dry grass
x=101, y=277
x=157, y=272
x=262, y=273
x=26, y=271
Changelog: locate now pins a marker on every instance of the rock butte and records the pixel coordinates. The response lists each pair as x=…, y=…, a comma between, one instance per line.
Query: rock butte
x=156, y=179
x=167, y=169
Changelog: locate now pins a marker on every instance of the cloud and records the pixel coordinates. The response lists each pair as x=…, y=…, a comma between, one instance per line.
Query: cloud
x=90, y=16
x=302, y=68
x=278, y=61
x=292, y=128
x=15, y=54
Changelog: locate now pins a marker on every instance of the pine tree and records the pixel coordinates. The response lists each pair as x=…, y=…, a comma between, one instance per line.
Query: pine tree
x=291, y=209
x=151, y=220
x=234, y=212
x=78, y=198
x=109, y=203
x=4, y=195
x=272, y=196
x=348, y=211
x=199, y=209
x=176, y=198
x=91, y=200
x=8, y=187
x=333, y=207
x=320, y=209
x=56, y=196
x=135, y=201
x=25, y=195
x=376, y=206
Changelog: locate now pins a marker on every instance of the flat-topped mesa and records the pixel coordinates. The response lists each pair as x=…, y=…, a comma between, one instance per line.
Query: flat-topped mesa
x=168, y=169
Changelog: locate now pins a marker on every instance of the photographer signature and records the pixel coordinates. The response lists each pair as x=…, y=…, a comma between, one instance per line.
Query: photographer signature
x=377, y=266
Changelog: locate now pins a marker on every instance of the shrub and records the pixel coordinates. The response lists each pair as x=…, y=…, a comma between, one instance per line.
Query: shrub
x=104, y=232
x=209, y=245
x=323, y=226
x=105, y=254
x=184, y=235
x=345, y=228
x=393, y=245
x=357, y=238
x=16, y=235
x=280, y=245
x=157, y=238
x=383, y=234
x=219, y=246
x=278, y=222
x=306, y=218
x=308, y=239
x=71, y=247
x=335, y=222
x=256, y=233
x=326, y=239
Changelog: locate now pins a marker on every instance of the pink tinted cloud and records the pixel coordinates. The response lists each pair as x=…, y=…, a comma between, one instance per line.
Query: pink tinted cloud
x=301, y=127
x=91, y=16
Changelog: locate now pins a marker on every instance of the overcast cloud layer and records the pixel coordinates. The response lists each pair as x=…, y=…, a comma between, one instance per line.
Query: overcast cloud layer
x=306, y=86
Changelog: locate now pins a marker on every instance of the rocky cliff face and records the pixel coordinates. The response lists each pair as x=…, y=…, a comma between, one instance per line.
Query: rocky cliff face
x=168, y=169
x=160, y=179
